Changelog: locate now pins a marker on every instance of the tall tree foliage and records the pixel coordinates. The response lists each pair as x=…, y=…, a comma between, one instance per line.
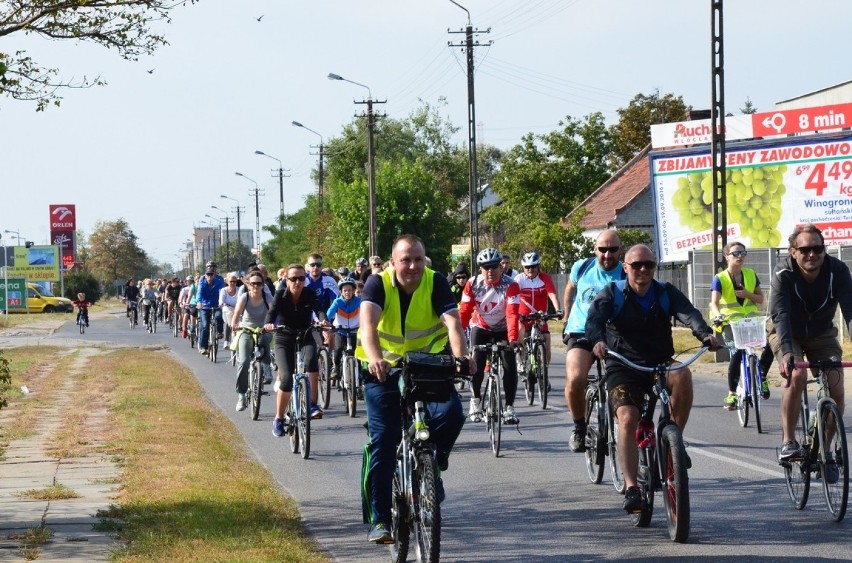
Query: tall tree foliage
x=123, y=25
x=295, y=236
x=633, y=131
x=113, y=252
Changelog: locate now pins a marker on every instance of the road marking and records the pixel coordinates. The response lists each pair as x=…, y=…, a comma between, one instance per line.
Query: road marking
x=733, y=461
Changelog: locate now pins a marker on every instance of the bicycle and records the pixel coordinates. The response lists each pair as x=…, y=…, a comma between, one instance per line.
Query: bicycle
x=324, y=382
x=601, y=432
x=298, y=413
x=532, y=364
x=151, y=323
x=174, y=320
x=81, y=322
x=212, y=333
x=133, y=314
x=255, y=374
x=192, y=327
x=662, y=454
x=749, y=334
x=415, y=504
x=823, y=441
x=352, y=386
x=492, y=399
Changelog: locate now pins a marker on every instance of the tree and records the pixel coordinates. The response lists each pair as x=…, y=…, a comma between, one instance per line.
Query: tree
x=748, y=107
x=632, y=133
x=82, y=281
x=234, y=255
x=113, y=253
x=123, y=25
x=295, y=236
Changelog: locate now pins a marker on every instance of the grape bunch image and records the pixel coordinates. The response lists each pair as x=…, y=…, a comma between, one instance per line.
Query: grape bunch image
x=754, y=202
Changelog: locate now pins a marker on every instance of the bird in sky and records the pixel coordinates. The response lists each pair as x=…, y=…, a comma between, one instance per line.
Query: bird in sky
x=261, y=17
x=152, y=71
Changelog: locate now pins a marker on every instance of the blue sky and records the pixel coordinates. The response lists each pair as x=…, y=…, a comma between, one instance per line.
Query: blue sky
x=159, y=148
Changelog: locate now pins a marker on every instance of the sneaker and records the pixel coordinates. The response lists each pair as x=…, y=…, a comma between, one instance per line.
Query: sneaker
x=790, y=450
x=633, y=500
x=380, y=534
x=277, y=386
x=578, y=439
x=202, y=351
x=220, y=335
x=316, y=412
x=730, y=402
x=830, y=471
x=509, y=415
x=334, y=374
x=185, y=334
x=242, y=402
x=474, y=412
x=764, y=389
x=278, y=427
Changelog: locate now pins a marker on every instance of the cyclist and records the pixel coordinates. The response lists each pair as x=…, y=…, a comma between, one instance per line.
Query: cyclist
x=536, y=290
x=458, y=279
x=293, y=308
x=325, y=287
x=361, y=272
x=345, y=315
x=642, y=332
x=207, y=301
x=506, y=264
x=172, y=294
x=489, y=305
x=588, y=276
x=149, y=294
x=250, y=311
x=82, y=305
x=131, y=299
x=376, y=265
x=736, y=290
x=186, y=302
x=805, y=291
x=228, y=300
x=406, y=308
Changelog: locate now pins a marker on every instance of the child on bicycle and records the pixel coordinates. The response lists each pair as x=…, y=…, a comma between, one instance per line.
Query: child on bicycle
x=344, y=310
x=82, y=307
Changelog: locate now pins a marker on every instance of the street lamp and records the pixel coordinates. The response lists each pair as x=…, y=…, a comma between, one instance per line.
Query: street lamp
x=239, y=234
x=256, y=210
x=371, y=157
x=319, y=198
x=16, y=233
x=227, y=235
x=280, y=177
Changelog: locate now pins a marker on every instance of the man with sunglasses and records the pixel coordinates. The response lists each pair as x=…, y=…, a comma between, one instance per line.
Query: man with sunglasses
x=325, y=288
x=587, y=278
x=207, y=303
x=458, y=279
x=641, y=331
x=805, y=291
x=537, y=290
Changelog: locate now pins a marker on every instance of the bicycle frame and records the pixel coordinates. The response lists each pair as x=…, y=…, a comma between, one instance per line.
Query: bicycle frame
x=751, y=380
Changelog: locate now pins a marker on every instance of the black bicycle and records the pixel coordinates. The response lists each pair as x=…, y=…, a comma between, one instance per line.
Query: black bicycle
x=492, y=398
x=533, y=358
x=601, y=432
x=662, y=454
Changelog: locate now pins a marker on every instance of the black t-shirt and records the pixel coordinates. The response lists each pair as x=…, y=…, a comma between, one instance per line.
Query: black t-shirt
x=443, y=300
x=173, y=291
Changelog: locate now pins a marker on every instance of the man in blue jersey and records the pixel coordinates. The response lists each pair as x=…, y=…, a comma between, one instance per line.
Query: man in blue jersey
x=588, y=277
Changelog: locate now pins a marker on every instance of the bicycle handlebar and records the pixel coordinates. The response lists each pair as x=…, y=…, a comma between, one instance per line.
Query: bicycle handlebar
x=540, y=316
x=824, y=364
x=652, y=369
x=498, y=346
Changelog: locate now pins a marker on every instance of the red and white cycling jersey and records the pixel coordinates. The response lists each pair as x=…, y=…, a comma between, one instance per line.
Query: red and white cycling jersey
x=492, y=307
x=534, y=292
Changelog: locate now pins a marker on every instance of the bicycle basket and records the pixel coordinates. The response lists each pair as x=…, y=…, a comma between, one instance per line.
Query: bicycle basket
x=429, y=377
x=749, y=332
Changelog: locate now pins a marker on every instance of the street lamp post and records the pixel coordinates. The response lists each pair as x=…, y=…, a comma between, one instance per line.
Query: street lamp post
x=321, y=146
x=16, y=233
x=227, y=236
x=371, y=157
x=239, y=234
x=256, y=210
x=219, y=221
x=280, y=177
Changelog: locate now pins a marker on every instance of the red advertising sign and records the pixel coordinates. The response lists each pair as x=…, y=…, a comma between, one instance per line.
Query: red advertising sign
x=803, y=120
x=63, y=217
x=65, y=240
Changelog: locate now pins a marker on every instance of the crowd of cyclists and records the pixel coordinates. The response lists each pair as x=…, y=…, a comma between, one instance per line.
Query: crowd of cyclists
x=611, y=302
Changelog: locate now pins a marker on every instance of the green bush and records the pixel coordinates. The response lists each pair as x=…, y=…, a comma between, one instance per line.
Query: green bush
x=82, y=281
x=5, y=379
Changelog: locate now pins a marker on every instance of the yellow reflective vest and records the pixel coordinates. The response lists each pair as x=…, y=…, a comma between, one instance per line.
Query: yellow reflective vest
x=424, y=331
x=728, y=304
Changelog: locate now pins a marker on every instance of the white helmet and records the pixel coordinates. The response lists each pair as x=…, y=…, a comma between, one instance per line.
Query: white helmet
x=488, y=257
x=531, y=259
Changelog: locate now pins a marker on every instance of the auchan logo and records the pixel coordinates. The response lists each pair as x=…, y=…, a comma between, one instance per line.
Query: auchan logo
x=703, y=130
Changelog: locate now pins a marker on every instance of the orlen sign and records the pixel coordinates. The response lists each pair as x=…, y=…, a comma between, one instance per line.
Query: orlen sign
x=63, y=218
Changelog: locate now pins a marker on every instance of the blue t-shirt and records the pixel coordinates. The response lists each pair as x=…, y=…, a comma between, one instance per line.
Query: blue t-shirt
x=594, y=279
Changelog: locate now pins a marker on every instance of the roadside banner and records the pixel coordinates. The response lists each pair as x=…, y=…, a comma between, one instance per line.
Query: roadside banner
x=37, y=263
x=14, y=292
x=772, y=186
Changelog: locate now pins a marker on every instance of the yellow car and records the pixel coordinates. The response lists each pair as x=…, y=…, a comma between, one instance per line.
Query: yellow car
x=41, y=300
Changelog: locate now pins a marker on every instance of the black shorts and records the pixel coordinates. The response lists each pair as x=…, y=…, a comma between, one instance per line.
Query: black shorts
x=576, y=340
x=627, y=386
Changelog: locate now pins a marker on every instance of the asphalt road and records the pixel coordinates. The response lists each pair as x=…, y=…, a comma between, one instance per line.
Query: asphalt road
x=535, y=502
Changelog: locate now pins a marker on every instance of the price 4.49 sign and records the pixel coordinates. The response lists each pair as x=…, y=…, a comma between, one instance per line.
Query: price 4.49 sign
x=823, y=174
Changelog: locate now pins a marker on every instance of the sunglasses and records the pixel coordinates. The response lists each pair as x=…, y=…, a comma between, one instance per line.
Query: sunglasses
x=643, y=264
x=817, y=249
x=739, y=253
x=377, y=264
x=490, y=267
x=610, y=249
x=461, y=277
x=296, y=279
x=255, y=284
x=315, y=264
x=530, y=267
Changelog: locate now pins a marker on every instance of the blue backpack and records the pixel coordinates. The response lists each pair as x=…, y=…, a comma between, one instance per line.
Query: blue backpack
x=588, y=263
x=618, y=297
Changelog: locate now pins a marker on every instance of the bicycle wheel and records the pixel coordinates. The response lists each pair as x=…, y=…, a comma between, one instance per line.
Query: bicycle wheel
x=350, y=373
x=255, y=388
x=400, y=518
x=82, y=325
x=293, y=427
x=614, y=466
x=594, y=427
x=304, y=417
x=324, y=377
x=525, y=371
x=755, y=375
x=213, y=341
x=675, y=482
x=834, y=464
x=743, y=399
x=174, y=324
x=642, y=519
x=193, y=335
x=427, y=524
x=495, y=405
x=154, y=324
x=540, y=374
x=797, y=472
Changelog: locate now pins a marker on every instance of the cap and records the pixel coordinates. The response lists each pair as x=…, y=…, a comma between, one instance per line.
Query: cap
x=210, y=271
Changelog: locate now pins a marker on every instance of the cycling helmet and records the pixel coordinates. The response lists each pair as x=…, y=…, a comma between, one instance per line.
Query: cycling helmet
x=211, y=264
x=531, y=259
x=190, y=278
x=488, y=257
x=343, y=271
x=361, y=262
x=346, y=281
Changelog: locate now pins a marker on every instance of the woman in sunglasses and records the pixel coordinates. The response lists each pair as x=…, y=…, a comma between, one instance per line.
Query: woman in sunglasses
x=736, y=291
x=250, y=312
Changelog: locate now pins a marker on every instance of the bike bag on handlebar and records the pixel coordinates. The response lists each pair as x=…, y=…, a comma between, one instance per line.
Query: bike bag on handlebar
x=429, y=377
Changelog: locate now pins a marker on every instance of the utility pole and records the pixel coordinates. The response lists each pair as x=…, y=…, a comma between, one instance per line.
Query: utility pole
x=371, y=157
x=473, y=182
x=717, y=125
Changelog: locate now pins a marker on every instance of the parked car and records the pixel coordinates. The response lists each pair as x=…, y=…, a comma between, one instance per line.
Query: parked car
x=41, y=300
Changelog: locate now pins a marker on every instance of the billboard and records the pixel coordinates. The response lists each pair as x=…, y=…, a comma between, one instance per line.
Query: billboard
x=14, y=292
x=63, y=231
x=37, y=263
x=772, y=186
